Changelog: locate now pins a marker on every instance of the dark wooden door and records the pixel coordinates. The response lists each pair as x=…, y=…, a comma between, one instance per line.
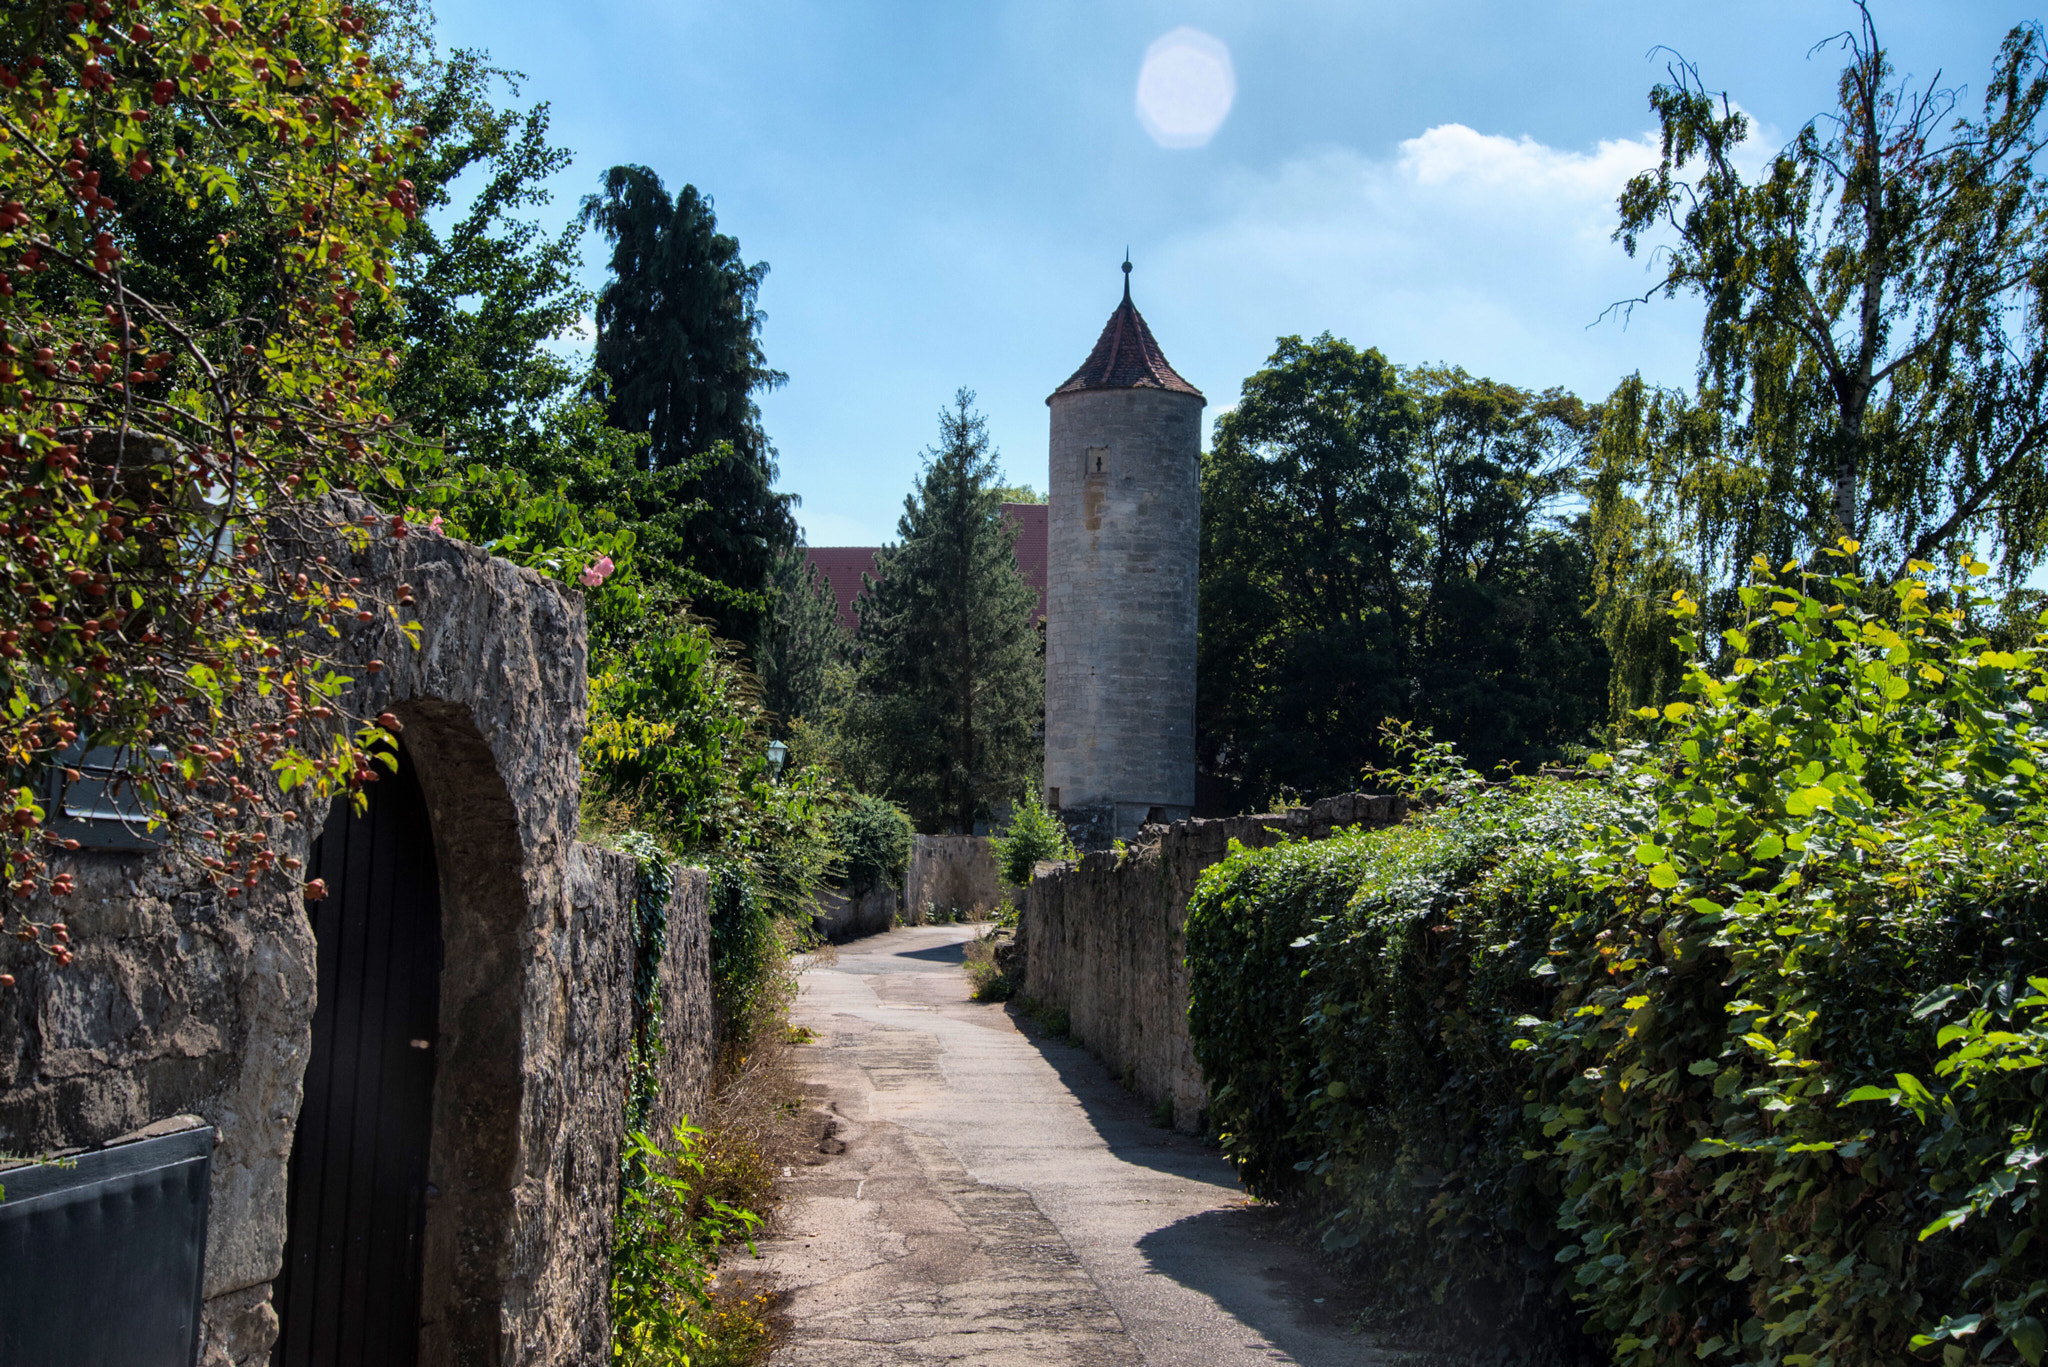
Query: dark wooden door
x=349, y=1295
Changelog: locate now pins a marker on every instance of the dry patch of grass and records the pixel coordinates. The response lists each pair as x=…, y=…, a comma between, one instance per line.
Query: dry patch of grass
x=991, y=983
x=754, y=1126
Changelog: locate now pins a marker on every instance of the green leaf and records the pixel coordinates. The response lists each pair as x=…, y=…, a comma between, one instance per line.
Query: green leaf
x=1870, y=1094
x=2030, y=1338
x=1664, y=876
x=1806, y=801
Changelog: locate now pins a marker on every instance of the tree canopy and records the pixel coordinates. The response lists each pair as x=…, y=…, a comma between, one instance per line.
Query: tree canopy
x=804, y=651
x=1383, y=544
x=679, y=361
x=1874, y=356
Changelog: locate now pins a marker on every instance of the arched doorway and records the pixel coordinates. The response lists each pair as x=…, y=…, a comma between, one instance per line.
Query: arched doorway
x=349, y=1294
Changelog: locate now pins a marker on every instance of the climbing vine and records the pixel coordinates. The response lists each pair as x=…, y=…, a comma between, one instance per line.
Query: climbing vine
x=653, y=882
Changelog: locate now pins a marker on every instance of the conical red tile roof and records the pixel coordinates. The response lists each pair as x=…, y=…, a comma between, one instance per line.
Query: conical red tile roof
x=1126, y=356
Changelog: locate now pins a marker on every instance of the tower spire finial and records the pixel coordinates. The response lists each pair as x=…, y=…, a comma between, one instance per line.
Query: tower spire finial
x=1127, y=275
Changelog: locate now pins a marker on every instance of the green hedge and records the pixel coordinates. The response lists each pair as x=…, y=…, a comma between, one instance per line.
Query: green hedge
x=1352, y=1002
x=1729, y=1052
x=873, y=839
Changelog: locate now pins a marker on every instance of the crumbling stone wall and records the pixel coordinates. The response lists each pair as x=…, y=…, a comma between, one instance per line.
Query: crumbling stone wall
x=1105, y=940
x=951, y=873
x=180, y=1001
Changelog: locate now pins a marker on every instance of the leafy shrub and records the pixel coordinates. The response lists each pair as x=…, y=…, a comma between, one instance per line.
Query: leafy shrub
x=1847, y=820
x=873, y=839
x=1672, y=1042
x=666, y=1246
x=1352, y=1003
x=1034, y=834
x=749, y=958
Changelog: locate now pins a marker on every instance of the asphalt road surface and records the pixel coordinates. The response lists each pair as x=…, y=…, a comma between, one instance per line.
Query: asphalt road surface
x=981, y=1195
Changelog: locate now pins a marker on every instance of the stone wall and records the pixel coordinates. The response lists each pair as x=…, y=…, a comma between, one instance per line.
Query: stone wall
x=844, y=916
x=951, y=873
x=689, y=1027
x=1105, y=940
x=182, y=1002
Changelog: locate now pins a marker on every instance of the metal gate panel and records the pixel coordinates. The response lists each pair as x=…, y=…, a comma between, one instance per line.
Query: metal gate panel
x=102, y=1256
x=349, y=1293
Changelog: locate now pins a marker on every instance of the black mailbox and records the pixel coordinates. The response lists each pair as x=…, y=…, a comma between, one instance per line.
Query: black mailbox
x=101, y=1255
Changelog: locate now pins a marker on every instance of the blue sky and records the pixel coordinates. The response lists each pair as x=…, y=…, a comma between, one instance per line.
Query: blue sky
x=944, y=191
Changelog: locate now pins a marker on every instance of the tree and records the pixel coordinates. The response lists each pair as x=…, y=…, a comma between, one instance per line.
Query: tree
x=951, y=687
x=1379, y=544
x=679, y=360
x=1507, y=664
x=1308, y=507
x=804, y=647
x=480, y=297
x=1874, y=359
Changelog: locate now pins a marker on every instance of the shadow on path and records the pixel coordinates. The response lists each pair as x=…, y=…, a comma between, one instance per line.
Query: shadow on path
x=1280, y=1289
x=1241, y=1256
x=1120, y=1117
x=955, y=953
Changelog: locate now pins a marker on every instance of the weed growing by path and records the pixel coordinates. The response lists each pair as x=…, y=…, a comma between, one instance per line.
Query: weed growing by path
x=991, y=983
x=672, y=1231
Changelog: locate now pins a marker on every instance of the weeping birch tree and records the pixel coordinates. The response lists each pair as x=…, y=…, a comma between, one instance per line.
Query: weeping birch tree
x=1874, y=356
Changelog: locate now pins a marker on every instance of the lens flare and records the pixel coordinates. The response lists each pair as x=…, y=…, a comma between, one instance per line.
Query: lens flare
x=1185, y=88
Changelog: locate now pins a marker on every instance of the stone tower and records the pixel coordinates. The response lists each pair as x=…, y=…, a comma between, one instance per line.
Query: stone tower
x=1122, y=547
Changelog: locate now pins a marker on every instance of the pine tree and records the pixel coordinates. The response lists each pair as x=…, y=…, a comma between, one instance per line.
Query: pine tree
x=949, y=707
x=804, y=645
x=680, y=360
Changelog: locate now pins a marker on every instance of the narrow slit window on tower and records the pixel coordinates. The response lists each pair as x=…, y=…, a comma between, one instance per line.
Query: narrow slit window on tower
x=1095, y=463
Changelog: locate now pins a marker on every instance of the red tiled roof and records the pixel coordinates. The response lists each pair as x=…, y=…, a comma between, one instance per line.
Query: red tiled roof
x=1031, y=554
x=843, y=566
x=1126, y=356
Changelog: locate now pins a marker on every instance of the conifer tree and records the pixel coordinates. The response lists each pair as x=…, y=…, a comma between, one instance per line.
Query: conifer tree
x=680, y=360
x=949, y=706
x=803, y=646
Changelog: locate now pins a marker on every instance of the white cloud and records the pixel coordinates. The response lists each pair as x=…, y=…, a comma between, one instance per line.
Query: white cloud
x=582, y=332
x=1453, y=155
x=1487, y=251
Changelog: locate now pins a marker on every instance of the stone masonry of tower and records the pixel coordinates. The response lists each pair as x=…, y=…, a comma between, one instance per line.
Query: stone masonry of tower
x=1122, y=551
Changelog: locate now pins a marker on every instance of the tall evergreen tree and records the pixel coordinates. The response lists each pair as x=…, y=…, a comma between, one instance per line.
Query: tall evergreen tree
x=680, y=361
x=951, y=693
x=804, y=646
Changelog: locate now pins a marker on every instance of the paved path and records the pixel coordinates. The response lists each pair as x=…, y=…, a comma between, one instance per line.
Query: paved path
x=981, y=1196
